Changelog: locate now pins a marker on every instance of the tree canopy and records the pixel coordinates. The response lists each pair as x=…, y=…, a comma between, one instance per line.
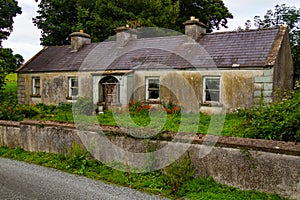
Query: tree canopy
x=290, y=16
x=58, y=18
x=8, y=61
x=8, y=10
x=8, y=64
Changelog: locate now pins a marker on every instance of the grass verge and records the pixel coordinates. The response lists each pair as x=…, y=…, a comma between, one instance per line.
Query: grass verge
x=81, y=163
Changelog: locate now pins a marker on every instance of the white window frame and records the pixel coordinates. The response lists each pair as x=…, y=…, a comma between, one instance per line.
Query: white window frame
x=71, y=88
x=151, y=89
x=36, y=86
x=205, y=90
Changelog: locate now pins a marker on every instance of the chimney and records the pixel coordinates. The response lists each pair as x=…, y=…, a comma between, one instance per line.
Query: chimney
x=194, y=29
x=79, y=39
x=124, y=35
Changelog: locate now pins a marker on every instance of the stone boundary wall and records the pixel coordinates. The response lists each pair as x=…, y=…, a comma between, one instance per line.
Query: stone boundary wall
x=249, y=164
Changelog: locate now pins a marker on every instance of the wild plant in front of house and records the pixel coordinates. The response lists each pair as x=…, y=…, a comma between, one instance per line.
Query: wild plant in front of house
x=84, y=106
x=180, y=172
x=276, y=121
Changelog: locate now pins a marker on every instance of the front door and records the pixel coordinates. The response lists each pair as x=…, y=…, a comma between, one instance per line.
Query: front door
x=109, y=91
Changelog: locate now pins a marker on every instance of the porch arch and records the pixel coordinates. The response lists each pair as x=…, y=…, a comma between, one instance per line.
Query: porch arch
x=109, y=91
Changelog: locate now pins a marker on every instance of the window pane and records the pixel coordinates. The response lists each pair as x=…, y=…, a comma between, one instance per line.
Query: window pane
x=36, y=86
x=154, y=94
x=37, y=82
x=153, y=83
x=74, y=82
x=212, y=96
x=74, y=91
x=213, y=84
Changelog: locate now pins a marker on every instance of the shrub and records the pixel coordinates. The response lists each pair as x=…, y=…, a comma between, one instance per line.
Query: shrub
x=171, y=108
x=17, y=112
x=275, y=121
x=139, y=107
x=180, y=172
x=84, y=105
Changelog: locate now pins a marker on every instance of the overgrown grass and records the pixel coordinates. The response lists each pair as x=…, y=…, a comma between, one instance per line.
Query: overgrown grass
x=81, y=163
x=9, y=94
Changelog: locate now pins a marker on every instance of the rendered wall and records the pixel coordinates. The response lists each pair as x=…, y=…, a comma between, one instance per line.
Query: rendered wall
x=185, y=88
x=54, y=87
x=250, y=164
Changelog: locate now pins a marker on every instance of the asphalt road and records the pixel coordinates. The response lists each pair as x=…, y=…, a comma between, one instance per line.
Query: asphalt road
x=20, y=180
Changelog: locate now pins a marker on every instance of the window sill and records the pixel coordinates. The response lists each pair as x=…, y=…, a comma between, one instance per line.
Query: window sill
x=153, y=101
x=212, y=104
x=72, y=98
x=35, y=96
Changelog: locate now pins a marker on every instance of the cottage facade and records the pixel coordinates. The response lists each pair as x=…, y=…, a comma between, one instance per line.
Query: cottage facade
x=200, y=71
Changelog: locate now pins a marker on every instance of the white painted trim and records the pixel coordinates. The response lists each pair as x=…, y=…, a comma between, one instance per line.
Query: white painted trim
x=147, y=78
x=204, y=90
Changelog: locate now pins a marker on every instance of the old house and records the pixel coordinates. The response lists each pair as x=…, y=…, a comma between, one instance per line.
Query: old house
x=200, y=71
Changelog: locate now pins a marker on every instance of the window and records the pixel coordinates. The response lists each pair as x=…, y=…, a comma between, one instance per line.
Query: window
x=211, y=89
x=152, y=88
x=73, y=86
x=36, y=86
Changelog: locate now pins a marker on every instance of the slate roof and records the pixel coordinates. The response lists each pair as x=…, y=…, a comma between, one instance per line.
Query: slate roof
x=254, y=48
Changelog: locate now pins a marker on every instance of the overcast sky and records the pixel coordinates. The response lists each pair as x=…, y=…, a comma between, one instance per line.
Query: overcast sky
x=25, y=38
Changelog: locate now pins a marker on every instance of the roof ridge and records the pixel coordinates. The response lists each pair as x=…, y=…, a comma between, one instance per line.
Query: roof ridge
x=243, y=31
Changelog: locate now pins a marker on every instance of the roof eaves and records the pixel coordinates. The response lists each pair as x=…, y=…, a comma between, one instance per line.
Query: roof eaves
x=31, y=59
x=272, y=56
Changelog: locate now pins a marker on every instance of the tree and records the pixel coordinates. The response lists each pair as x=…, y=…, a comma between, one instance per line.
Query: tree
x=8, y=10
x=8, y=61
x=290, y=16
x=58, y=18
x=213, y=13
x=8, y=64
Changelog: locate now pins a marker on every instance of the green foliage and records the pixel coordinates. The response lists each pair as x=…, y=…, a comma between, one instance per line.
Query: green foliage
x=8, y=10
x=99, y=18
x=275, y=121
x=78, y=159
x=171, y=108
x=207, y=188
x=180, y=172
x=84, y=106
x=8, y=61
x=80, y=163
x=8, y=64
x=212, y=13
x=9, y=94
x=17, y=112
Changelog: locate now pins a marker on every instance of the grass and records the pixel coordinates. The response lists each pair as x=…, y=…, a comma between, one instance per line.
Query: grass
x=81, y=163
x=12, y=77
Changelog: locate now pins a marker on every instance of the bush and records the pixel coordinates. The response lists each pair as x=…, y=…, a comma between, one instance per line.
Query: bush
x=17, y=112
x=276, y=121
x=84, y=105
x=180, y=172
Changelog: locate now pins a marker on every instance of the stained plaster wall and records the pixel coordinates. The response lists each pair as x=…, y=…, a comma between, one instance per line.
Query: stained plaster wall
x=54, y=87
x=185, y=88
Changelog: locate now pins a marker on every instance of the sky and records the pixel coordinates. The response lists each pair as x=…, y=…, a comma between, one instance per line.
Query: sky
x=25, y=38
